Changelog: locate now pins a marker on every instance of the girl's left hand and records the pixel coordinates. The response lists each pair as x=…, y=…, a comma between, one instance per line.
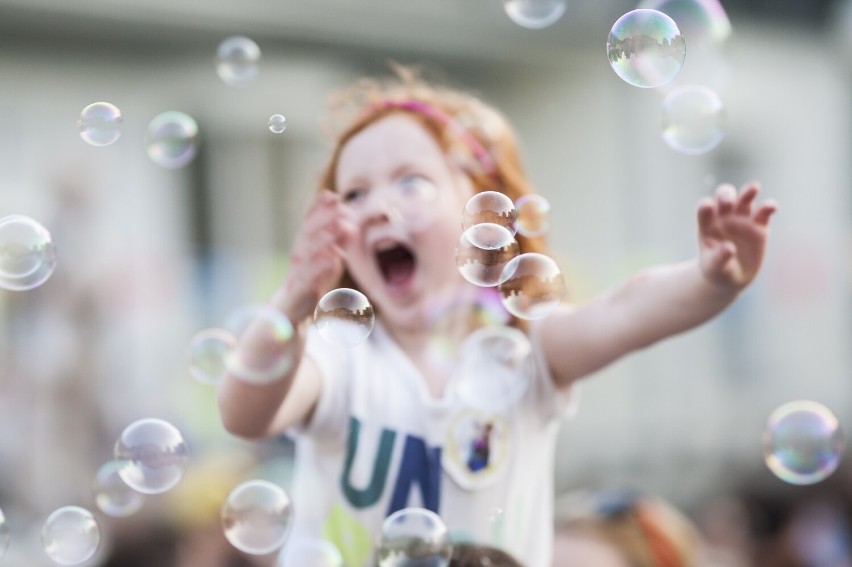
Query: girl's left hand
x=732, y=235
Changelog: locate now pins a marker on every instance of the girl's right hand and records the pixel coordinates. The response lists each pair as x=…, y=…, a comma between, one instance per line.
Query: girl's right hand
x=316, y=257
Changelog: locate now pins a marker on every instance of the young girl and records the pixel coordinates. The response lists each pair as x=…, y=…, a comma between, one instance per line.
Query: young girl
x=379, y=427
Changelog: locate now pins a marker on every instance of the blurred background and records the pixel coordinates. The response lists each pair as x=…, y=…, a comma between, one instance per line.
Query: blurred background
x=148, y=256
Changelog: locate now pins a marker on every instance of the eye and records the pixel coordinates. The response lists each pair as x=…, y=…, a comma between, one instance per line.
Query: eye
x=416, y=185
x=353, y=195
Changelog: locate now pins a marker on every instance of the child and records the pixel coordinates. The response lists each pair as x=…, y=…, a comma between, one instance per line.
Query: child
x=376, y=425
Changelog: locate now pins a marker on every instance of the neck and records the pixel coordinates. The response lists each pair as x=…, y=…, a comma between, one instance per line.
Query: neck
x=432, y=343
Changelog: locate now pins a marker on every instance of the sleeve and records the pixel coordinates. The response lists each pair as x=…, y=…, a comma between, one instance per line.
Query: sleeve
x=330, y=416
x=551, y=402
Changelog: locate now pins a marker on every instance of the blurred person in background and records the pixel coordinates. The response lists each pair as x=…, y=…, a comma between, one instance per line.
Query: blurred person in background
x=624, y=529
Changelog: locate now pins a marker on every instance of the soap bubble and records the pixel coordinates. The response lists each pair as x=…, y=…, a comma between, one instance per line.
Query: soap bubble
x=27, y=253
x=534, y=14
x=112, y=495
x=172, y=139
x=533, y=211
x=237, y=60
x=267, y=332
x=153, y=455
x=492, y=368
x=256, y=517
x=414, y=536
x=484, y=266
x=344, y=317
x=692, y=119
x=277, y=123
x=802, y=442
x=70, y=535
x=100, y=124
x=208, y=354
x=490, y=207
x=645, y=48
x=533, y=286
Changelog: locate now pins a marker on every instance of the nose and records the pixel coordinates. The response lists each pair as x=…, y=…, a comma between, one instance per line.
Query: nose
x=377, y=207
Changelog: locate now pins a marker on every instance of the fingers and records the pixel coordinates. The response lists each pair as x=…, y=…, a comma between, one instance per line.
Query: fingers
x=727, y=202
x=706, y=214
x=726, y=196
x=765, y=212
x=327, y=221
x=747, y=196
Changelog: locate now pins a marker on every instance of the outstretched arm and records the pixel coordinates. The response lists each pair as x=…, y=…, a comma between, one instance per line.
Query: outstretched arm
x=664, y=300
x=259, y=410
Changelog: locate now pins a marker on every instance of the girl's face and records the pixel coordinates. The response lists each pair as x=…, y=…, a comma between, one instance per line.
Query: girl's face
x=401, y=263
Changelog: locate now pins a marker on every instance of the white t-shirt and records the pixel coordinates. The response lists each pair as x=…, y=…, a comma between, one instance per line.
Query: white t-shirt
x=379, y=442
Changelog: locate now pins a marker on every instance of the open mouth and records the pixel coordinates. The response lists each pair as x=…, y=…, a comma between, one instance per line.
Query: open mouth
x=397, y=264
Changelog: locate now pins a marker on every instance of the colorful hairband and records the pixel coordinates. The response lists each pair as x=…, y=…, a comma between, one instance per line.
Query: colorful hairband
x=430, y=111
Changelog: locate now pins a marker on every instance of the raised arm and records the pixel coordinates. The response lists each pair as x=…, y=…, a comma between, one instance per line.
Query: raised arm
x=316, y=262
x=664, y=300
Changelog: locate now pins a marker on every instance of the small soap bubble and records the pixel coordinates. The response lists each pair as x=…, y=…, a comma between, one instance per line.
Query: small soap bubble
x=534, y=14
x=493, y=373
x=490, y=207
x=484, y=266
x=100, y=124
x=208, y=354
x=256, y=517
x=237, y=61
x=645, y=48
x=310, y=553
x=267, y=332
x=112, y=495
x=172, y=139
x=414, y=536
x=27, y=253
x=153, y=455
x=70, y=535
x=533, y=286
x=802, y=442
x=277, y=123
x=344, y=317
x=533, y=212
x=692, y=119
x=5, y=534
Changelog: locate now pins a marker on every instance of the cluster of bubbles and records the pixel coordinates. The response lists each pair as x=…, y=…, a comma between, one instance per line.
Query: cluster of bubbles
x=646, y=48
x=802, y=442
x=487, y=254
x=171, y=140
x=150, y=457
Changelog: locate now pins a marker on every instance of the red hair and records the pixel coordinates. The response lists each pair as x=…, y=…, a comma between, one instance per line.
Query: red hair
x=474, y=136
